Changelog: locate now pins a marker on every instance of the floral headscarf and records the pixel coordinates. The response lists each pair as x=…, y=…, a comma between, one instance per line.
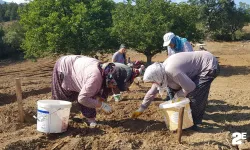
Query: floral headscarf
x=107, y=72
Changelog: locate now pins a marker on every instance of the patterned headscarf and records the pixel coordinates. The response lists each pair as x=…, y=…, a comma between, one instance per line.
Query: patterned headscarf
x=107, y=72
x=156, y=73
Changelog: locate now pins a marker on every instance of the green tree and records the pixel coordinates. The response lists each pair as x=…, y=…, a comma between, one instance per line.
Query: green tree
x=98, y=23
x=66, y=26
x=8, y=12
x=143, y=24
x=13, y=11
x=14, y=35
x=3, y=52
x=1, y=13
x=221, y=18
x=185, y=21
x=11, y=39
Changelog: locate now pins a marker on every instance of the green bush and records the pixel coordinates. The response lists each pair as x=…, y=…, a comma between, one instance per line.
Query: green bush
x=11, y=37
x=239, y=35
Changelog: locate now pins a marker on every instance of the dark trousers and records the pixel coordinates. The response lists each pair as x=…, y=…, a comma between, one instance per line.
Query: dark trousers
x=199, y=96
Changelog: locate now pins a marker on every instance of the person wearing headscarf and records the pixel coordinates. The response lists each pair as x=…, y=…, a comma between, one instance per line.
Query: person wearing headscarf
x=86, y=80
x=176, y=44
x=191, y=77
x=120, y=55
x=124, y=75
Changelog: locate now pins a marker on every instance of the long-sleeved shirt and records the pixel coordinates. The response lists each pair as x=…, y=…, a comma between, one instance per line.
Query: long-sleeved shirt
x=182, y=70
x=82, y=75
x=187, y=47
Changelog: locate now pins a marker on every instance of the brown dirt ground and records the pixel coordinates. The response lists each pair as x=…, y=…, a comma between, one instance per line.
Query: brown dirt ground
x=227, y=112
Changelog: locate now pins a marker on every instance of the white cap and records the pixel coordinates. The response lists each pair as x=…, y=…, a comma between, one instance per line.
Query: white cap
x=167, y=38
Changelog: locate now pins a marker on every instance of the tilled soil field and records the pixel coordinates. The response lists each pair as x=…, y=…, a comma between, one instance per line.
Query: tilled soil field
x=228, y=110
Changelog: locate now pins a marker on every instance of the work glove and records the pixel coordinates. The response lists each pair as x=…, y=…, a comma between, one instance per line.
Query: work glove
x=106, y=108
x=138, y=112
x=177, y=98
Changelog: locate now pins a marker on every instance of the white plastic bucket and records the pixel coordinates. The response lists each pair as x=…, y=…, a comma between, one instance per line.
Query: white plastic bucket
x=53, y=115
x=170, y=112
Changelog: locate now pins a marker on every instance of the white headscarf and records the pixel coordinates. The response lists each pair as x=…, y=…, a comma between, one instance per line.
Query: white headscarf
x=156, y=73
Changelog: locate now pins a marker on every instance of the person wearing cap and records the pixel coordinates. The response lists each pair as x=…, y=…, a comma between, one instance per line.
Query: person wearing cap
x=189, y=78
x=176, y=44
x=86, y=80
x=120, y=55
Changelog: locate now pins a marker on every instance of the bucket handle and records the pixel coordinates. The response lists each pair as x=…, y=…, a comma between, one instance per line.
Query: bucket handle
x=49, y=114
x=35, y=117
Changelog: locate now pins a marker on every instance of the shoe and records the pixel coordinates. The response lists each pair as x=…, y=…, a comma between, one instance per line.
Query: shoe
x=194, y=128
x=92, y=123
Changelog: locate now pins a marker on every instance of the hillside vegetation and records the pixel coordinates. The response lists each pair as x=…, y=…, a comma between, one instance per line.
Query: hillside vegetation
x=46, y=27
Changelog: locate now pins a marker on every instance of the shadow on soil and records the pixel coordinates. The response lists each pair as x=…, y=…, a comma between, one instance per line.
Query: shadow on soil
x=26, y=73
x=73, y=131
x=219, y=112
x=136, y=125
x=227, y=70
x=7, y=99
x=214, y=142
x=6, y=62
x=43, y=141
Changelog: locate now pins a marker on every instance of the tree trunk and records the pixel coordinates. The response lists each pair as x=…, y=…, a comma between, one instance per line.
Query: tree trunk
x=149, y=59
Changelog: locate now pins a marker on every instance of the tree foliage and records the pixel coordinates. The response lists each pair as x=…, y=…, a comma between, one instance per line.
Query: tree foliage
x=221, y=18
x=90, y=26
x=11, y=37
x=185, y=19
x=8, y=11
x=143, y=24
x=3, y=52
x=14, y=35
x=66, y=26
x=140, y=25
